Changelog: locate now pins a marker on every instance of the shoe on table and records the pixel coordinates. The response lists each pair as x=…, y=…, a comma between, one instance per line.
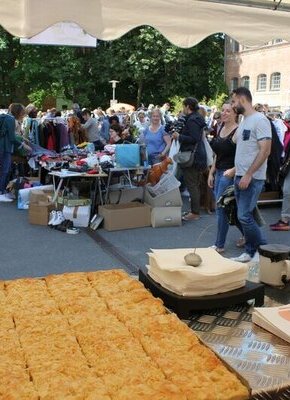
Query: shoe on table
x=5, y=199
x=280, y=226
x=244, y=258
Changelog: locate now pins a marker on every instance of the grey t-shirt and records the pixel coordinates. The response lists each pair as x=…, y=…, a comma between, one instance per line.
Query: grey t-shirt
x=91, y=126
x=252, y=129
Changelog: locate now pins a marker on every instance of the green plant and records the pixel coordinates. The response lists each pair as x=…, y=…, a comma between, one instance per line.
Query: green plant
x=37, y=97
x=176, y=103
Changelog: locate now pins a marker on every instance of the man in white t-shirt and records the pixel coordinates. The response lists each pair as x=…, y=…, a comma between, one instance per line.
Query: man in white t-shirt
x=253, y=148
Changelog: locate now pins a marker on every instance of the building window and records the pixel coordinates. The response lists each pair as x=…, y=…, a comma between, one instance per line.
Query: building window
x=262, y=82
x=235, y=46
x=246, y=81
x=234, y=84
x=275, y=81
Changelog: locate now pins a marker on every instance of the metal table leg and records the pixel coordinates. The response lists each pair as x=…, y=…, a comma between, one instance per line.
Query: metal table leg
x=57, y=189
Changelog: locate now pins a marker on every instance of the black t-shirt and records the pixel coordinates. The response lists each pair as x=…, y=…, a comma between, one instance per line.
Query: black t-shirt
x=225, y=150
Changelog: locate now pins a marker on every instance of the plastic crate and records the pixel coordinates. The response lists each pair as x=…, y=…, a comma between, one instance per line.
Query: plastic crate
x=167, y=183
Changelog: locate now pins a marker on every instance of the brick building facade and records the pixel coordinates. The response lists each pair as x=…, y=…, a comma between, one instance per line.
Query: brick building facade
x=265, y=71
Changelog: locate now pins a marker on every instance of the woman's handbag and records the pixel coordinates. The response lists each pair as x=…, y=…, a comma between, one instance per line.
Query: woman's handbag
x=197, y=157
x=184, y=158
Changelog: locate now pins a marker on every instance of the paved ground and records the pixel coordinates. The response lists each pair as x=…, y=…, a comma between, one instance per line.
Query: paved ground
x=31, y=250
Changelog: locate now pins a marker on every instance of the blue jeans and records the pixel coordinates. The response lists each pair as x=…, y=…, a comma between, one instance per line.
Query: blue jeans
x=220, y=184
x=5, y=164
x=246, y=203
x=286, y=198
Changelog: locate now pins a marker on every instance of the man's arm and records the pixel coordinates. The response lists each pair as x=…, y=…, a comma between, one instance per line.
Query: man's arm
x=190, y=134
x=192, y=128
x=88, y=123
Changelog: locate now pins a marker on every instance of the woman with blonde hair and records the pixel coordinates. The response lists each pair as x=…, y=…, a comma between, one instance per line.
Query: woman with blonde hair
x=156, y=139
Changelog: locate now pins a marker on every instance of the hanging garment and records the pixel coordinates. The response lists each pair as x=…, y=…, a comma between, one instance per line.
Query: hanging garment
x=31, y=128
x=64, y=136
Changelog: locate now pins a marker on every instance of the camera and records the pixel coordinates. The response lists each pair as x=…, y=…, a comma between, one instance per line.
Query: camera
x=175, y=126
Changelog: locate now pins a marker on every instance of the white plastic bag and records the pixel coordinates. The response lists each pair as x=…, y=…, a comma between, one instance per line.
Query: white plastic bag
x=209, y=152
x=174, y=149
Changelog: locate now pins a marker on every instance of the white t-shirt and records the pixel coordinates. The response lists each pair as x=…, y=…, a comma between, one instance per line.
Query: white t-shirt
x=253, y=128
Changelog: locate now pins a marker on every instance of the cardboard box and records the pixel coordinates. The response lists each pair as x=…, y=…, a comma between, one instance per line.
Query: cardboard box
x=125, y=216
x=40, y=206
x=126, y=195
x=166, y=216
x=79, y=215
x=40, y=196
x=168, y=199
x=269, y=196
x=38, y=213
x=24, y=195
x=80, y=201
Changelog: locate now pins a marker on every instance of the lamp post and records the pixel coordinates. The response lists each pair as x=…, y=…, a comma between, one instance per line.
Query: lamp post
x=114, y=85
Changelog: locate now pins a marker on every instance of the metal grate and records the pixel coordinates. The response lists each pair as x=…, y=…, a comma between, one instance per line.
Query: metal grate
x=260, y=357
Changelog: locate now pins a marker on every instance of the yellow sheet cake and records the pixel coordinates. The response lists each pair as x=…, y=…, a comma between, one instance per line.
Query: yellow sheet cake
x=102, y=336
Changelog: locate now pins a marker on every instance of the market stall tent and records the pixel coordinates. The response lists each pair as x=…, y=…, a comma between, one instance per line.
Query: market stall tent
x=121, y=107
x=182, y=22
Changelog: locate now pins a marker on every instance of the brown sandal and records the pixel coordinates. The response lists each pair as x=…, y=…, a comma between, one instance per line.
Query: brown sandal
x=191, y=217
x=219, y=250
x=241, y=242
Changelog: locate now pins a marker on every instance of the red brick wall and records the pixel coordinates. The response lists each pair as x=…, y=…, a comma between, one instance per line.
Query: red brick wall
x=265, y=60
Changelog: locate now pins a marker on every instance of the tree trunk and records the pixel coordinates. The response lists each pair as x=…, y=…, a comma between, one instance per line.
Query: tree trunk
x=139, y=92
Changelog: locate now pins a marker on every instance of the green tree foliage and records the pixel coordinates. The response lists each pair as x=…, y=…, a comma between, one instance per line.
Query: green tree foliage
x=176, y=103
x=218, y=101
x=149, y=68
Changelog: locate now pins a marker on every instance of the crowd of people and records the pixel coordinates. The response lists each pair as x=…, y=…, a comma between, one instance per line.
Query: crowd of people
x=245, y=140
x=245, y=148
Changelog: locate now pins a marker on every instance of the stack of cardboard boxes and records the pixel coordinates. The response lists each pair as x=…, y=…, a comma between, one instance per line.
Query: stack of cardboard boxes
x=166, y=202
x=40, y=206
x=125, y=216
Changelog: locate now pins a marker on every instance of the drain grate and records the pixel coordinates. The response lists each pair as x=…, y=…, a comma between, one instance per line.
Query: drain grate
x=113, y=251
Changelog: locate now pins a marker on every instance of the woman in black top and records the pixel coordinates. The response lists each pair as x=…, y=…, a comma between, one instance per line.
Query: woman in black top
x=221, y=174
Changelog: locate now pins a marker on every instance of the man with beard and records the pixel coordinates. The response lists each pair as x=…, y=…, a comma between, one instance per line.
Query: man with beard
x=253, y=148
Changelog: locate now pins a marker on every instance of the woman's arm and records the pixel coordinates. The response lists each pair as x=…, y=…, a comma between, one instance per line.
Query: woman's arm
x=167, y=140
x=210, y=179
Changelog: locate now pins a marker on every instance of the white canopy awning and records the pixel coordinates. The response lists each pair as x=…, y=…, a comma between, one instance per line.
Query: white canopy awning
x=182, y=22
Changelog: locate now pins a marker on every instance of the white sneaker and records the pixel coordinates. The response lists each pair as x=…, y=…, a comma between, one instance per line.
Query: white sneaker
x=185, y=193
x=10, y=195
x=5, y=199
x=244, y=258
x=52, y=217
x=58, y=219
x=256, y=257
